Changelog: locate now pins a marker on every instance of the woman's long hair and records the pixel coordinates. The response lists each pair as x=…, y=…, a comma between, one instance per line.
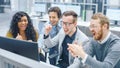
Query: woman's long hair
x=30, y=32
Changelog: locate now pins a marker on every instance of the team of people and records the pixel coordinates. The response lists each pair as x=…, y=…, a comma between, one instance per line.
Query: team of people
x=67, y=45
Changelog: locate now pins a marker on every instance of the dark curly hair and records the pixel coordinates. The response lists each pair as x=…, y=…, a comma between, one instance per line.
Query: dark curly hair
x=30, y=32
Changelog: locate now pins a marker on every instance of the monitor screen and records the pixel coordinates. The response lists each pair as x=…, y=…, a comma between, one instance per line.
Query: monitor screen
x=113, y=14
x=24, y=48
x=67, y=7
x=39, y=7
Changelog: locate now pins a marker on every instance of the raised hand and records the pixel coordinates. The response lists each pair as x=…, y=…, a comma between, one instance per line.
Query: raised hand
x=76, y=50
x=19, y=37
x=48, y=29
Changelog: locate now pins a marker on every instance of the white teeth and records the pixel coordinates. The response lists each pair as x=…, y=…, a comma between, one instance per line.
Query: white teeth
x=65, y=30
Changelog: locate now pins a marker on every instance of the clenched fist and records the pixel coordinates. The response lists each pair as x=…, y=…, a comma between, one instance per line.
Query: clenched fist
x=48, y=29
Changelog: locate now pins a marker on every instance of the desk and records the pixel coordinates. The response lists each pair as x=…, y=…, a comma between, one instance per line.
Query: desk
x=12, y=60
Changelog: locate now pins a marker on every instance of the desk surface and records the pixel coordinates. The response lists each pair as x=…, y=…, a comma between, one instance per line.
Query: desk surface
x=20, y=61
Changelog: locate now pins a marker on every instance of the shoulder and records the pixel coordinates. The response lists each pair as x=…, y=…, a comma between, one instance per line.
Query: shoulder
x=81, y=35
x=9, y=34
x=114, y=37
x=37, y=35
x=61, y=31
x=114, y=41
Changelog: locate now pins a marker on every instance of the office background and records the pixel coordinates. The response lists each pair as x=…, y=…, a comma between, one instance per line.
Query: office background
x=37, y=9
x=85, y=7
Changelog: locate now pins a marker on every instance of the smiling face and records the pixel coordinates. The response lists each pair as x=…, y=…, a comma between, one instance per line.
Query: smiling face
x=53, y=17
x=22, y=24
x=68, y=24
x=99, y=26
x=96, y=29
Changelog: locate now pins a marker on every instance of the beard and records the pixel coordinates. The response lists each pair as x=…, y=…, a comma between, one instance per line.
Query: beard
x=99, y=35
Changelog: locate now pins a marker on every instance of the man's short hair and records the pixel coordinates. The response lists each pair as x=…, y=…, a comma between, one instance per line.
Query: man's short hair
x=55, y=9
x=103, y=19
x=71, y=13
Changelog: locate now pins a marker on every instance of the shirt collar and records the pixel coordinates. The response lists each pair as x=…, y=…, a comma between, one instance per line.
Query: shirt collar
x=73, y=36
x=105, y=39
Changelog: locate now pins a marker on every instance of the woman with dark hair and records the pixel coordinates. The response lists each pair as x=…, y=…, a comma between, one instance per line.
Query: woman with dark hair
x=21, y=28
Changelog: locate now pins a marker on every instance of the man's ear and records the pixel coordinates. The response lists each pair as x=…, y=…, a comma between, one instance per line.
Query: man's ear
x=105, y=26
x=75, y=23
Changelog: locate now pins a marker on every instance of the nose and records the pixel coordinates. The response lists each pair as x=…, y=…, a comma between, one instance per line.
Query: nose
x=23, y=22
x=51, y=19
x=64, y=26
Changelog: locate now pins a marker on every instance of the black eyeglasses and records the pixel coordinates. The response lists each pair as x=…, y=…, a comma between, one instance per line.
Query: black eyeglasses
x=66, y=23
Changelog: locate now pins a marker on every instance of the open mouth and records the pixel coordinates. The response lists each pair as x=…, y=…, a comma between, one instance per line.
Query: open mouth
x=93, y=34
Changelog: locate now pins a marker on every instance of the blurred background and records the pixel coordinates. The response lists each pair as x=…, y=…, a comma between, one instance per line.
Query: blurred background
x=37, y=9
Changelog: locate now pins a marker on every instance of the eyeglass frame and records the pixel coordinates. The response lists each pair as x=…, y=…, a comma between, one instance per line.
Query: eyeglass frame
x=66, y=23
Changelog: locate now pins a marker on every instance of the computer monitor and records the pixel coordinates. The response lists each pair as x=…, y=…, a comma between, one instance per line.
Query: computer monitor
x=40, y=7
x=66, y=7
x=113, y=14
x=24, y=48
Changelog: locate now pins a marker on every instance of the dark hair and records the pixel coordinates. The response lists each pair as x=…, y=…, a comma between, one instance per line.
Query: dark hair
x=55, y=9
x=71, y=13
x=30, y=32
x=103, y=19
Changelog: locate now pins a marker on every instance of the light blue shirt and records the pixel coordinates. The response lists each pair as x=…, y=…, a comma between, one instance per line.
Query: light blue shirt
x=55, y=29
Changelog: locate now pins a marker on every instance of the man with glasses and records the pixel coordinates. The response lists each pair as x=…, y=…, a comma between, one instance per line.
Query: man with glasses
x=105, y=46
x=68, y=34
